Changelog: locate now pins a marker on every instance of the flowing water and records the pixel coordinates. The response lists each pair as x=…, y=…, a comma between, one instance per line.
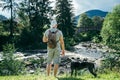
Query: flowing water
x=91, y=51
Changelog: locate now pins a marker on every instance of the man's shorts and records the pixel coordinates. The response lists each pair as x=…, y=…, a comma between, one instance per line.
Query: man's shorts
x=53, y=55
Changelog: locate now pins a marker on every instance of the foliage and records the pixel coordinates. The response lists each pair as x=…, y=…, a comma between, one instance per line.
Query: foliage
x=1, y=28
x=115, y=46
x=64, y=12
x=98, y=21
x=66, y=22
x=30, y=40
x=34, y=15
x=111, y=62
x=36, y=11
x=85, y=21
x=3, y=40
x=111, y=28
x=97, y=38
x=12, y=6
x=6, y=28
x=69, y=42
x=9, y=65
x=88, y=36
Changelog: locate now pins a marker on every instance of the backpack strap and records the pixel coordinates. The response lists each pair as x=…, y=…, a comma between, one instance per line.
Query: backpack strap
x=56, y=31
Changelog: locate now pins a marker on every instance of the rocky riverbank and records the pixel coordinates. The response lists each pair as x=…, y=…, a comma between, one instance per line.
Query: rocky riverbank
x=85, y=50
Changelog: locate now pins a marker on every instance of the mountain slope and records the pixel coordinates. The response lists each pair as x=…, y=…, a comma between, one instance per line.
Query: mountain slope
x=92, y=13
x=2, y=18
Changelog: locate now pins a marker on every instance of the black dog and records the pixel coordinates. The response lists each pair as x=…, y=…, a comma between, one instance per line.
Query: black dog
x=75, y=66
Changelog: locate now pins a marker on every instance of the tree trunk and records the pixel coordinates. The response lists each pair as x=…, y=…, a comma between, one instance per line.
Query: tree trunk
x=11, y=20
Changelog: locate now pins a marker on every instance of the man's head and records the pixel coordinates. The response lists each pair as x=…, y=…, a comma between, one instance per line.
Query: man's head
x=53, y=23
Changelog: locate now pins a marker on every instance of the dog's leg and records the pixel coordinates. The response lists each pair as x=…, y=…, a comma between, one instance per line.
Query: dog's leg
x=92, y=72
x=72, y=72
x=75, y=72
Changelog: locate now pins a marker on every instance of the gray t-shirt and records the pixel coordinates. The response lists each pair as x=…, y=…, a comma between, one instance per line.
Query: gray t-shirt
x=58, y=34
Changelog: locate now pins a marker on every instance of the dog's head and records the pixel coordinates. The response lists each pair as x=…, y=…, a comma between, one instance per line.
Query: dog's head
x=85, y=60
x=73, y=59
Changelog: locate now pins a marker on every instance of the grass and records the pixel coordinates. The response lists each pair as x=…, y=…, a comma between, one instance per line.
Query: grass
x=102, y=76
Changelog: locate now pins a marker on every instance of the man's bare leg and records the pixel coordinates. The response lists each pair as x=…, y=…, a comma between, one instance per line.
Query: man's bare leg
x=55, y=69
x=48, y=69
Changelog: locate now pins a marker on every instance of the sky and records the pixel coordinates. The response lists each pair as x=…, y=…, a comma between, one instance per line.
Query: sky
x=85, y=5
x=81, y=6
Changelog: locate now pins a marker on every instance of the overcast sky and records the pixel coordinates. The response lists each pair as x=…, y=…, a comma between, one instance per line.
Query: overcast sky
x=85, y=5
x=81, y=6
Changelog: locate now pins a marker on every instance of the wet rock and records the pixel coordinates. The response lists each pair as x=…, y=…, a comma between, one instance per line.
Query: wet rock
x=19, y=54
x=31, y=71
x=86, y=45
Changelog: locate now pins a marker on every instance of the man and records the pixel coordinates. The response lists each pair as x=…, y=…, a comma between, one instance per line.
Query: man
x=54, y=53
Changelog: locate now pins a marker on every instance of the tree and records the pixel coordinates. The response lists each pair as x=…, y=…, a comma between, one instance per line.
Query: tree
x=34, y=14
x=37, y=12
x=85, y=21
x=64, y=12
x=11, y=5
x=23, y=14
x=87, y=28
x=111, y=28
x=1, y=28
x=98, y=21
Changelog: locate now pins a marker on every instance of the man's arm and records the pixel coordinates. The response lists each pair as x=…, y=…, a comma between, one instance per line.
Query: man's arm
x=45, y=39
x=62, y=45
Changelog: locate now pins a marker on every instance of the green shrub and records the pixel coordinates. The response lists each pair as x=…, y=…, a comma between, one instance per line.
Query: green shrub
x=69, y=42
x=31, y=40
x=96, y=39
x=86, y=36
x=9, y=65
x=111, y=62
x=3, y=40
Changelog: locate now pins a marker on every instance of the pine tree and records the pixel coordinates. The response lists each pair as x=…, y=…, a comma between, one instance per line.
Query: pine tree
x=64, y=12
x=38, y=12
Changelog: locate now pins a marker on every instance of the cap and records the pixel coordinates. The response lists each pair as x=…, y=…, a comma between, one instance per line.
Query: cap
x=53, y=23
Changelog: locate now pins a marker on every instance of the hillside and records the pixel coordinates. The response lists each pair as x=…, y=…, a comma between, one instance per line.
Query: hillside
x=92, y=13
x=2, y=18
